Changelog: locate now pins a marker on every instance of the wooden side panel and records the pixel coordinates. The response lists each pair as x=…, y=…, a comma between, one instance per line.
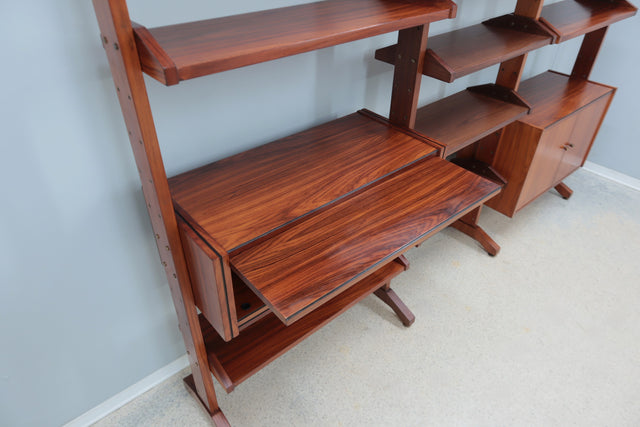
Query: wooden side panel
x=588, y=53
x=212, y=288
x=551, y=149
x=512, y=160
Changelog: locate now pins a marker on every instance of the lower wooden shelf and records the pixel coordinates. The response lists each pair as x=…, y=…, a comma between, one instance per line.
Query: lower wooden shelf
x=463, y=118
x=259, y=344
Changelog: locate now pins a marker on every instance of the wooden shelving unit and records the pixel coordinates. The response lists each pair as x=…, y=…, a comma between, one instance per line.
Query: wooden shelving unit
x=263, y=248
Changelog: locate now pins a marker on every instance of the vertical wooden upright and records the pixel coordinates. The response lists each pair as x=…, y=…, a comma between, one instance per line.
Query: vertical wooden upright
x=118, y=41
x=511, y=71
x=407, y=75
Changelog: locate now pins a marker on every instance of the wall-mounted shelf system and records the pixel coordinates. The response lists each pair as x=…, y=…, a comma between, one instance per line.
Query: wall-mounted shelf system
x=487, y=128
x=263, y=248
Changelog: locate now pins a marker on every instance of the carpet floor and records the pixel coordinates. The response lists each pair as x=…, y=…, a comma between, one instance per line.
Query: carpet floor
x=547, y=333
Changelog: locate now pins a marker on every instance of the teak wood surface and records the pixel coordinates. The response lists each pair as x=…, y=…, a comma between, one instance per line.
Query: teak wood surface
x=185, y=51
x=302, y=267
x=261, y=343
x=244, y=197
x=465, y=117
x=572, y=18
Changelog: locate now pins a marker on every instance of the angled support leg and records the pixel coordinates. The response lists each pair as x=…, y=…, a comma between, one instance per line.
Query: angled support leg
x=468, y=225
x=217, y=417
x=564, y=190
x=389, y=297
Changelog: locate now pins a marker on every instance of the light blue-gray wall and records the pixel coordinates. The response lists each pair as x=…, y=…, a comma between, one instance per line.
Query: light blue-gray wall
x=84, y=307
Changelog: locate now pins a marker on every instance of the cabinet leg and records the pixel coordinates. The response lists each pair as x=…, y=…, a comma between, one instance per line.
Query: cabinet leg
x=564, y=190
x=217, y=417
x=468, y=225
x=389, y=297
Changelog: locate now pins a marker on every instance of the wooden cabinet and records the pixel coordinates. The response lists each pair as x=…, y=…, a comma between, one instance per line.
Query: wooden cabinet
x=538, y=151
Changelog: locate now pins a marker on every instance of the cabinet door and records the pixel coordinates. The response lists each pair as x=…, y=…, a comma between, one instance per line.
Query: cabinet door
x=584, y=132
x=547, y=159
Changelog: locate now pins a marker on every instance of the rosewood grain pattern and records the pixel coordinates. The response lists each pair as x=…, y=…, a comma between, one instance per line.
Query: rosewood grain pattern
x=459, y=53
x=302, y=267
x=554, y=96
x=465, y=117
x=572, y=18
x=220, y=44
x=264, y=341
x=243, y=197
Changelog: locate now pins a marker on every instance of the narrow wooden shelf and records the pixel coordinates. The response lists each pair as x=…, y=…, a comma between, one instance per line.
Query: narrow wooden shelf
x=179, y=52
x=572, y=18
x=554, y=96
x=243, y=198
x=461, y=119
x=307, y=264
x=234, y=361
x=459, y=53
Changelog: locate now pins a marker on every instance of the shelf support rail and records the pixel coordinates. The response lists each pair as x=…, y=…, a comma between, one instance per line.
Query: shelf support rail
x=119, y=43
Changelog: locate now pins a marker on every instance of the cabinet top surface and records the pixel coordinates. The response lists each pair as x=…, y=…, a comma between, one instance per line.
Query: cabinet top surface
x=214, y=45
x=553, y=96
x=241, y=198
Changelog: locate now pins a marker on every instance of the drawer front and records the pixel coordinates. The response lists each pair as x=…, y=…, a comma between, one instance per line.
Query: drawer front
x=547, y=159
x=586, y=127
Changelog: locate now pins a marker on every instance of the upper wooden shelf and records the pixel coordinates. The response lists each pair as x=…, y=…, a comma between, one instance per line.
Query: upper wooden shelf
x=554, y=96
x=307, y=264
x=245, y=197
x=174, y=53
x=452, y=55
x=572, y=18
x=461, y=119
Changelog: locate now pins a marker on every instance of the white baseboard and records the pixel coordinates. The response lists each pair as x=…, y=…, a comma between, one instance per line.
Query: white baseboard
x=130, y=393
x=618, y=177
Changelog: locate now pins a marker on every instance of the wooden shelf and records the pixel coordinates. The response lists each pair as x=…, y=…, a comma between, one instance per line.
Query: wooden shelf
x=572, y=18
x=234, y=361
x=554, y=96
x=305, y=265
x=459, y=53
x=243, y=198
x=461, y=119
x=174, y=53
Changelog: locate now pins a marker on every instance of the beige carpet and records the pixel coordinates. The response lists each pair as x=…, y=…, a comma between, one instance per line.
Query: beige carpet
x=545, y=334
